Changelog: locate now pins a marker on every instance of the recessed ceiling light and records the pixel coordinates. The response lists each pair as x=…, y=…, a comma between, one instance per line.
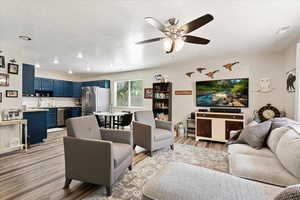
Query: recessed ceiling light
x=79, y=55
x=37, y=65
x=70, y=71
x=24, y=37
x=88, y=69
x=283, y=30
x=55, y=61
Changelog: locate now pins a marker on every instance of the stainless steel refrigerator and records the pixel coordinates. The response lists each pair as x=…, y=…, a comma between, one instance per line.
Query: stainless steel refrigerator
x=95, y=99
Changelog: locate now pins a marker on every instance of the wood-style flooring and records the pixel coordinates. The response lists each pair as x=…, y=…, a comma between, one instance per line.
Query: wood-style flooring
x=39, y=173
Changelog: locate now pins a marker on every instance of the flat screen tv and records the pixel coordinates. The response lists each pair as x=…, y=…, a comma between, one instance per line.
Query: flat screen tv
x=223, y=93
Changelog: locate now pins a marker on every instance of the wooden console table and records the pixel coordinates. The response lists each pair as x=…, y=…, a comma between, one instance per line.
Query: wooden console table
x=217, y=126
x=20, y=123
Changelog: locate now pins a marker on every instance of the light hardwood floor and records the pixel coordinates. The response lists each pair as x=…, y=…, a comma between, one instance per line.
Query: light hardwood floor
x=39, y=173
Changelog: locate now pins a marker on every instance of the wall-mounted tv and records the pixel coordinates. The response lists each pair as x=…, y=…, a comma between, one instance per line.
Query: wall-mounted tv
x=223, y=93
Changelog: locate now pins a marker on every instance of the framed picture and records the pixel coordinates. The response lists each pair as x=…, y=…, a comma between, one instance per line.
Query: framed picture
x=11, y=93
x=2, y=62
x=148, y=92
x=4, y=79
x=13, y=68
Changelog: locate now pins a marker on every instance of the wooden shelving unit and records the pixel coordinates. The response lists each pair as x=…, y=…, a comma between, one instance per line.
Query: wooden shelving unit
x=162, y=101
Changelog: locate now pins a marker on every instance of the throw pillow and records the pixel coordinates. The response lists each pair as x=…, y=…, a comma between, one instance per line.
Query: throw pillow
x=255, y=136
x=282, y=122
x=290, y=193
x=234, y=136
x=275, y=136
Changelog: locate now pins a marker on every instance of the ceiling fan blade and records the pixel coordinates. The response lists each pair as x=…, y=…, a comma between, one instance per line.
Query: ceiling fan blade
x=154, y=22
x=150, y=40
x=195, y=40
x=197, y=23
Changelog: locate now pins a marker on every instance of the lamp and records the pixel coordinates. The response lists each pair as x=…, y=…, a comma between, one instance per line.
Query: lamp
x=168, y=42
x=179, y=43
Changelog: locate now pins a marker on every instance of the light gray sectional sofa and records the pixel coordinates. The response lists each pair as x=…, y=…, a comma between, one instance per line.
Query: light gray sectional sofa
x=278, y=163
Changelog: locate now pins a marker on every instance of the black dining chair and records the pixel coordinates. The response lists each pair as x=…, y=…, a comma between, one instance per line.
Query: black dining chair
x=125, y=120
x=101, y=121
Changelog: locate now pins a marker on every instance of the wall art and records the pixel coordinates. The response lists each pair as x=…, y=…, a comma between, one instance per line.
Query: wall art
x=183, y=92
x=13, y=68
x=290, y=81
x=11, y=93
x=2, y=62
x=4, y=79
x=148, y=93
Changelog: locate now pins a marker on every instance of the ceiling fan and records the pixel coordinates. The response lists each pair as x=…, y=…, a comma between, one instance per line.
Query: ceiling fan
x=175, y=35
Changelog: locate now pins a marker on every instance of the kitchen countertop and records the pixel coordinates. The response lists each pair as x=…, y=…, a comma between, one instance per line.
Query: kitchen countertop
x=45, y=107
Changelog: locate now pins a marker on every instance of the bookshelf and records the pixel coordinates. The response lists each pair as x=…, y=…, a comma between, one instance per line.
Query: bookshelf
x=162, y=101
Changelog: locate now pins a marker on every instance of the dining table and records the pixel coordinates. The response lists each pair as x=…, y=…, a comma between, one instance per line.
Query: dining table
x=111, y=117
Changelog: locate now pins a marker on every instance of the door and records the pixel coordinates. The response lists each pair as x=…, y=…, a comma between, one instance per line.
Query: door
x=204, y=128
x=232, y=125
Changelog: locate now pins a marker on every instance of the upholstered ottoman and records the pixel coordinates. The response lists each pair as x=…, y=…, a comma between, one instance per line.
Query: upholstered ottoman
x=179, y=181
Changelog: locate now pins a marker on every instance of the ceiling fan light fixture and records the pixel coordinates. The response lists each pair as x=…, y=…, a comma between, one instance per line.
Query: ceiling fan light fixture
x=179, y=43
x=167, y=42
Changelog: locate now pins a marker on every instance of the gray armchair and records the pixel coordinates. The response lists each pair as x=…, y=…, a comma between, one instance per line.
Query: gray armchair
x=151, y=134
x=94, y=155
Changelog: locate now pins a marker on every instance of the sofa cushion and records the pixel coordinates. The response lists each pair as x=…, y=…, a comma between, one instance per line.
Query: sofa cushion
x=246, y=149
x=121, y=151
x=275, y=136
x=261, y=168
x=256, y=135
x=288, y=151
x=145, y=117
x=83, y=127
x=187, y=182
x=161, y=134
x=283, y=122
x=290, y=193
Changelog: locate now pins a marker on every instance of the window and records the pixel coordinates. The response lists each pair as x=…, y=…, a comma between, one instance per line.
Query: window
x=129, y=93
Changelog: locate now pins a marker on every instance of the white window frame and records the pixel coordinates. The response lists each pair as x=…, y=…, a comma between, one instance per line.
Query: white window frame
x=129, y=96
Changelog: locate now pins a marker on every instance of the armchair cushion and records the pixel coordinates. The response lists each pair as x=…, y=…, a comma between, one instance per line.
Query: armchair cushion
x=145, y=117
x=83, y=127
x=161, y=134
x=121, y=151
x=167, y=125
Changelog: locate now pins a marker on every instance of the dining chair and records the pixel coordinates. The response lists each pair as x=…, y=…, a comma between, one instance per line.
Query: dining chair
x=125, y=120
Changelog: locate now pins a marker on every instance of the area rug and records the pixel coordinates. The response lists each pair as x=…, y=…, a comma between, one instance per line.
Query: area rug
x=130, y=184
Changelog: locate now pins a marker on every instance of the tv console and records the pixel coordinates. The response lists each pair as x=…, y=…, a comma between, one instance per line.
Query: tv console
x=215, y=126
x=226, y=110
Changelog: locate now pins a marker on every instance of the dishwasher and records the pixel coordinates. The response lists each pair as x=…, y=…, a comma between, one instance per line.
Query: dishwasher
x=61, y=117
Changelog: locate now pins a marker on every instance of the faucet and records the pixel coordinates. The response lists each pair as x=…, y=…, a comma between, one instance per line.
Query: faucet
x=39, y=102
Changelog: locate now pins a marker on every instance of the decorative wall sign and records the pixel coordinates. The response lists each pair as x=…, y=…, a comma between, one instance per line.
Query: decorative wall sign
x=148, y=93
x=13, y=68
x=290, y=80
x=4, y=79
x=265, y=85
x=11, y=93
x=183, y=92
x=2, y=62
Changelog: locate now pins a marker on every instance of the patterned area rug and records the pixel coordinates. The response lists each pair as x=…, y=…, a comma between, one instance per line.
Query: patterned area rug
x=130, y=184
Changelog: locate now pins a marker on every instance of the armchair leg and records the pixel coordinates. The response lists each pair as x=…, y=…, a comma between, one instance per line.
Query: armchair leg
x=172, y=146
x=150, y=153
x=108, y=191
x=67, y=183
x=130, y=167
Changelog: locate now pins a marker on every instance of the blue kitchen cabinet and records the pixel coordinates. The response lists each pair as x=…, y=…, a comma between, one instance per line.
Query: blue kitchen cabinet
x=98, y=83
x=28, y=80
x=37, y=83
x=76, y=89
x=58, y=88
x=72, y=112
x=36, y=126
x=47, y=84
x=106, y=83
x=68, y=88
x=52, y=118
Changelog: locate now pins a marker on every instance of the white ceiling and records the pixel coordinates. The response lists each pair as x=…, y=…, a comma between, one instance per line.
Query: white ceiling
x=105, y=31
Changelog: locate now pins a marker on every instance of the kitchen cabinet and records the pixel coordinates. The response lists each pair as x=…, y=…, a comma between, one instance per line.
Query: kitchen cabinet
x=36, y=126
x=47, y=84
x=37, y=83
x=68, y=88
x=73, y=112
x=51, y=118
x=58, y=88
x=76, y=89
x=99, y=83
x=28, y=79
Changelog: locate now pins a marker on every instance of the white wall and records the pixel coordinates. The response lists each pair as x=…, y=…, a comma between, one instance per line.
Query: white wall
x=255, y=67
x=56, y=75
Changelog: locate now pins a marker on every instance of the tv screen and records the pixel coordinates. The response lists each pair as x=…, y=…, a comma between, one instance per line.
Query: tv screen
x=222, y=93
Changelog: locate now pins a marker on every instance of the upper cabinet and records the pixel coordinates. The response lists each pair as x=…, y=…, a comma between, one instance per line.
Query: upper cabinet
x=68, y=88
x=58, y=88
x=28, y=80
x=43, y=84
x=76, y=89
x=99, y=83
